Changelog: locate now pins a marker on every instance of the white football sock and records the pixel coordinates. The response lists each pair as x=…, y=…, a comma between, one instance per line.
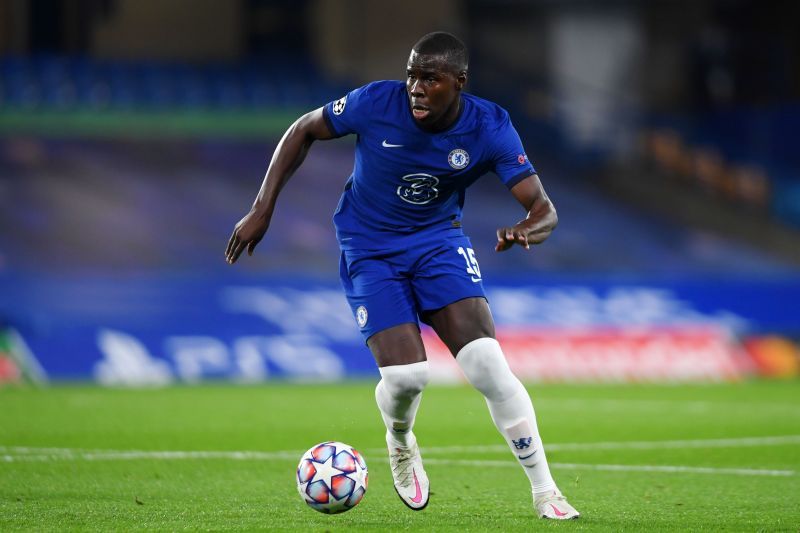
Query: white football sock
x=398, y=395
x=510, y=405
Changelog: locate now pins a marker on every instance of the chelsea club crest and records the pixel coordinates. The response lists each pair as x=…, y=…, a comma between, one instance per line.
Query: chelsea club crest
x=361, y=316
x=458, y=158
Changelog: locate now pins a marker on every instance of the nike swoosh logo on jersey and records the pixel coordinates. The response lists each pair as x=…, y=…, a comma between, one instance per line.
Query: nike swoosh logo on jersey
x=474, y=279
x=387, y=145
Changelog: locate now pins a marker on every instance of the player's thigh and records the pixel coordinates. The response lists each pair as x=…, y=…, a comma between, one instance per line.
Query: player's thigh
x=398, y=345
x=379, y=298
x=462, y=322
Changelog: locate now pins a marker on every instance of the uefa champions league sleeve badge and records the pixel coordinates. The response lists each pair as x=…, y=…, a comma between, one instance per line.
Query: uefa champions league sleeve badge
x=338, y=105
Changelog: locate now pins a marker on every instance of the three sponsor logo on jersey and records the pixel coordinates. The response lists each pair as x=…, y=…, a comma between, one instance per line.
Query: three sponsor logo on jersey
x=419, y=190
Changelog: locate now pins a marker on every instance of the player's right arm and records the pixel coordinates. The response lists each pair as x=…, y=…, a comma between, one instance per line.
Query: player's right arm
x=287, y=158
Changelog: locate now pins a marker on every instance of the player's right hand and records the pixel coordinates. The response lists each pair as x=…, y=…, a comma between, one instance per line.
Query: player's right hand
x=247, y=234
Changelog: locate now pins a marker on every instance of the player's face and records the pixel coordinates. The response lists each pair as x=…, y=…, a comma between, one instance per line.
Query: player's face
x=434, y=91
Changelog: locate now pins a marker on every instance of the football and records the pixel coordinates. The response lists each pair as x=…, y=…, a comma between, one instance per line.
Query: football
x=332, y=477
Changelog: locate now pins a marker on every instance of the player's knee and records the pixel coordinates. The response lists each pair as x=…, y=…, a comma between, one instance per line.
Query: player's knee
x=485, y=366
x=405, y=381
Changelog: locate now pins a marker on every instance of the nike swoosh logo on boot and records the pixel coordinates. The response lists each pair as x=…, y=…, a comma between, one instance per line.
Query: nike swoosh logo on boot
x=555, y=510
x=418, y=496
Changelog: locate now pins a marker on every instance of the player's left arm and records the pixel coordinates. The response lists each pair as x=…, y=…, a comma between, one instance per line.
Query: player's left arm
x=540, y=221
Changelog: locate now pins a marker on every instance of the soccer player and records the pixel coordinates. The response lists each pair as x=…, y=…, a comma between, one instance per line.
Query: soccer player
x=404, y=256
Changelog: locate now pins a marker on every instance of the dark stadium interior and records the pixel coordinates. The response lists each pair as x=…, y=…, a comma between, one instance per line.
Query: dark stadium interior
x=679, y=156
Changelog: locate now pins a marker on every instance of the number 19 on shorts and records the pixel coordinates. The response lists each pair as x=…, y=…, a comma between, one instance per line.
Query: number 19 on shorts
x=472, y=264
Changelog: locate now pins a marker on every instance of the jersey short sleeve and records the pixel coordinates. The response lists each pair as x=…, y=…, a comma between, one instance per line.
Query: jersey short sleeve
x=511, y=164
x=349, y=113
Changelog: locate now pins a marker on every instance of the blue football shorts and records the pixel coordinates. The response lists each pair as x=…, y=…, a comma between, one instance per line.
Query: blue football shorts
x=386, y=289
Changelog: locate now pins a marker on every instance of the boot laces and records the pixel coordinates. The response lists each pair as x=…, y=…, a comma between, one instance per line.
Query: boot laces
x=402, y=466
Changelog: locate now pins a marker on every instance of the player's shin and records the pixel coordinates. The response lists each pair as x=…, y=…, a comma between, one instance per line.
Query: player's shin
x=398, y=395
x=485, y=367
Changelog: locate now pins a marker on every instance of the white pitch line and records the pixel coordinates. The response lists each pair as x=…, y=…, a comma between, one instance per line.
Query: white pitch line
x=634, y=445
x=623, y=468
x=28, y=449
x=31, y=455
x=568, y=446
x=240, y=456
x=678, y=469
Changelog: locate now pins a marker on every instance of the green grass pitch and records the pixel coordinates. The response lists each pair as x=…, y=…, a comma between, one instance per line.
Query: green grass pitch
x=629, y=457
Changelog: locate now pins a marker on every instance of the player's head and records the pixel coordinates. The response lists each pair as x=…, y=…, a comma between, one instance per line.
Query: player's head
x=445, y=46
x=435, y=75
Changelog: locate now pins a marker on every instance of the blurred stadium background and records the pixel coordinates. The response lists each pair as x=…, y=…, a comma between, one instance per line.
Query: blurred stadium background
x=135, y=133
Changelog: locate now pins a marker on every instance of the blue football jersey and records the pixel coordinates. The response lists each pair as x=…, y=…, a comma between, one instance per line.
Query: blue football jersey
x=408, y=183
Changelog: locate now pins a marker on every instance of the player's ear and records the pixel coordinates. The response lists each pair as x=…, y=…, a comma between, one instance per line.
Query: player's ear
x=461, y=79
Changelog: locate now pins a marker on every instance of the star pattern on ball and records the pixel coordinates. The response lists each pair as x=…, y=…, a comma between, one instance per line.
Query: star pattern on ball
x=325, y=471
x=359, y=476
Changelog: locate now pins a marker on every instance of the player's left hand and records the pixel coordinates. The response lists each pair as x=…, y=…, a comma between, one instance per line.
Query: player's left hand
x=540, y=222
x=522, y=234
x=508, y=237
